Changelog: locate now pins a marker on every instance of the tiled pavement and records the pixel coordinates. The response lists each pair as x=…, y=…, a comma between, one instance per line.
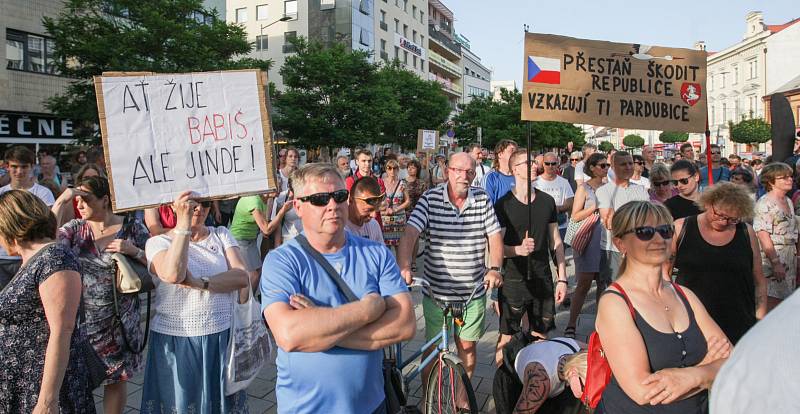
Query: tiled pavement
x=261, y=393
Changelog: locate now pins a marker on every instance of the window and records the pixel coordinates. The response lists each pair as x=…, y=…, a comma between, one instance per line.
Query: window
x=30, y=53
x=241, y=15
x=383, y=46
x=397, y=26
x=753, y=66
x=383, y=16
x=327, y=4
x=466, y=70
x=262, y=42
x=414, y=12
x=414, y=57
x=364, y=38
x=405, y=6
x=722, y=85
x=290, y=8
x=713, y=114
x=422, y=40
x=420, y=16
x=422, y=65
x=405, y=57
x=711, y=82
x=405, y=31
x=735, y=75
x=396, y=52
x=414, y=35
x=365, y=7
x=261, y=12
x=288, y=37
x=724, y=111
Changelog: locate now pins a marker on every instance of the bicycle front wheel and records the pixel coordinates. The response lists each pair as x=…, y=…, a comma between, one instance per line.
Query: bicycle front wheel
x=449, y=388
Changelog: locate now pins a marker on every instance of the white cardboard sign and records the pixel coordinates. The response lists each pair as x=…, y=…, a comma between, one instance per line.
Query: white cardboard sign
x=163, y=134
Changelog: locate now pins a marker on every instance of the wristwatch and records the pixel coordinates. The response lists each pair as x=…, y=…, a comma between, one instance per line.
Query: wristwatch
x=205, y=282
x=139, y=254
x=497, y=269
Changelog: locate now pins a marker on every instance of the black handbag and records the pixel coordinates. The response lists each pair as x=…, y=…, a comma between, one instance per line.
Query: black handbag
x=392, y=377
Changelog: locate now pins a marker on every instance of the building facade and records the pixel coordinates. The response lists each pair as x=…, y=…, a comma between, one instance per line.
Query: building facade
x=28, y=76
x=477, y=77
x=401, y=33
x=445, y=53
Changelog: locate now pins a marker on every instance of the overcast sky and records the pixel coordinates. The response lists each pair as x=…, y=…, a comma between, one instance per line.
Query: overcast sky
x=495, y=27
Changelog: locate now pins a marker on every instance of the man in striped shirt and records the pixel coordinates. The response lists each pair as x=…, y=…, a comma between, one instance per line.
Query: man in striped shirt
x=459, y=221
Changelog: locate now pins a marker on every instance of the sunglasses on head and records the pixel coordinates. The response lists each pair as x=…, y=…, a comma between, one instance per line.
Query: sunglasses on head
x=373, y=201
x=683, y=181
x=660, y=183
x=646, y=233
x=322, y=199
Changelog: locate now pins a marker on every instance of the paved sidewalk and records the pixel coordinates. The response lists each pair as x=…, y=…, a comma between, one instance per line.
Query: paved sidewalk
x=261, y=393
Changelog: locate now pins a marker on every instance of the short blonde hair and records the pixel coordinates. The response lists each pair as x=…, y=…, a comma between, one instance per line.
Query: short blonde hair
x=318, y=172
x=772, y=171
x=636, y=214
x=730, y=197
x=25, y=218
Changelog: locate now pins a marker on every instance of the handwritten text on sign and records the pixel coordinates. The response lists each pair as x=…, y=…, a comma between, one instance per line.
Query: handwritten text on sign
x=166, y=133
x=613, y=84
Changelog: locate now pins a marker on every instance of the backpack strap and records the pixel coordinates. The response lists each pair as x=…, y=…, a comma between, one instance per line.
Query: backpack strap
x=623, y=294
x=567, y=344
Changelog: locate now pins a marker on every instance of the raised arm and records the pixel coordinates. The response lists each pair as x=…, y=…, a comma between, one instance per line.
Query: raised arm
x=170, y=265
x=60, y=295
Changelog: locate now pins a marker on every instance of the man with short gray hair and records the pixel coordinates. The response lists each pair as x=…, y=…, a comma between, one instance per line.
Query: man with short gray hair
x=321, y=334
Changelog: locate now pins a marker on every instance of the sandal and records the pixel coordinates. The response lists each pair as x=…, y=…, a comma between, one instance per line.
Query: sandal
x=569, y=332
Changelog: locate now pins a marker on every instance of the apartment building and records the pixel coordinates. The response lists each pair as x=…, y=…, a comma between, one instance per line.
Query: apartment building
x=401, y=32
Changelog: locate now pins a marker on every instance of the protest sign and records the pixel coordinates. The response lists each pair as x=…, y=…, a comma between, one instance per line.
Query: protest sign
x=163, y=134
x=427, y=139
x=613, y=84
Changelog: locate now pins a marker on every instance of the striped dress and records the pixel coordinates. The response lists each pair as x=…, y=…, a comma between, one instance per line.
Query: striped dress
x=454, y=260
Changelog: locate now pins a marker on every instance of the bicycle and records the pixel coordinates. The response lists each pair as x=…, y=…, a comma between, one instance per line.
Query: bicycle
x=448, y=375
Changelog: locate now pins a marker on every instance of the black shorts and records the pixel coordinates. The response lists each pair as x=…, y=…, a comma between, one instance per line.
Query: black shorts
x=538, y=302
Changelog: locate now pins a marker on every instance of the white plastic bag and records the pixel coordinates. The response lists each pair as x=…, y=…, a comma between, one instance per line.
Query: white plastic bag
x=248, y=346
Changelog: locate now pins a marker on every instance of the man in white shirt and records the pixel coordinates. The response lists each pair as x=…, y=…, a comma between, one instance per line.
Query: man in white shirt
x=557, y=187
x=476, y=152
x=365, y=199
x=610, y=197
x=588, y=149
x=20, y=165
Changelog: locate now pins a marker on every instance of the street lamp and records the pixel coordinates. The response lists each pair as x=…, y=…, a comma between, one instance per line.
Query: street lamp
x=282, y=19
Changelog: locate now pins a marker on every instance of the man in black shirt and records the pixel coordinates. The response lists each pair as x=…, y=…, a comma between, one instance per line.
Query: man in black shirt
x=687, y=180
x=525, y=247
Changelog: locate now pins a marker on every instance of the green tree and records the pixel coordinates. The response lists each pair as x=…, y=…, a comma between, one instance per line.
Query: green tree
x=605, y=146
x=332, y=97
x=421, y=104
x=669, y=137
x=501, y=120
x=633, y=141
x=750, y=131
x=96, y=36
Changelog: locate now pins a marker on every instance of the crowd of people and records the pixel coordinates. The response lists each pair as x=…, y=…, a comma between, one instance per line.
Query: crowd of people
x=684, y=267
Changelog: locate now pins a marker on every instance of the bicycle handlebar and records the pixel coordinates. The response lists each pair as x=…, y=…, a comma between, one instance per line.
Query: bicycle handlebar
x=422, y=283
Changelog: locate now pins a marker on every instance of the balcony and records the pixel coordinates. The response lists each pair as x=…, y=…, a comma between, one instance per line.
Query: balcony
x=444, y=41
x=446, y=65
x=384, y=26
x=447, y=85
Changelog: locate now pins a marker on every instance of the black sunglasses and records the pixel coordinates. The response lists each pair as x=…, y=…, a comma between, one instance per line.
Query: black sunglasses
x=322, y=199
x=574, y=159
x=646, y=233
x=639, y=162
x=683, y=181
x=550, y=163
x=373, y=201
x=603, y=165
x=660, y=183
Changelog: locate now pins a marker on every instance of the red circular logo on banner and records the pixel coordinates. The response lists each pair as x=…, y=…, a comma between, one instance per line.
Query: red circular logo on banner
x=690, y=93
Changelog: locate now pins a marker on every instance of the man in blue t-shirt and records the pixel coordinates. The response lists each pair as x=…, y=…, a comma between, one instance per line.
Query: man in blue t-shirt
x=500, y=180
x=329, y=357
x=718, y=172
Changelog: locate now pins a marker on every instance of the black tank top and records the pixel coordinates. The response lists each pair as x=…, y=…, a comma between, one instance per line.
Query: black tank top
x=664, y=350
x=720, y=276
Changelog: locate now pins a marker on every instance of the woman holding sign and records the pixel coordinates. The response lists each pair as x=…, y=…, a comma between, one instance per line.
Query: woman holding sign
x=198, y=267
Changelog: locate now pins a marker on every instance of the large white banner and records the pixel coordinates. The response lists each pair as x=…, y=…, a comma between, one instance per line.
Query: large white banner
x=166, y=133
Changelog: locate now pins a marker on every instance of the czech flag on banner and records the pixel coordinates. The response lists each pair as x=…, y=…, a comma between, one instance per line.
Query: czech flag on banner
x=544, y=70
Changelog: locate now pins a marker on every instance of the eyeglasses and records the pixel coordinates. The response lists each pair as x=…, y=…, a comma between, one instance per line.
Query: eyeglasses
x=574, y=159
x=639, y=162
x=660, y=183
x=322, y=199
x=646, y=233
x=461, y=171
x=727, y=219
x=683, y=181
x=390, y=168
x=784, y=177
x=550, y=164
x=603, y=166
x=373, y=201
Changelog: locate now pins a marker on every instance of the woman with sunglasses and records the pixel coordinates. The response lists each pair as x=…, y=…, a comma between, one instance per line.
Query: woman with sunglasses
x=93, y=239
x=393, y=211
x=717, y=256
x=777, y=231
x=197, y=268
x=587, y=263
x=663, y=348
x=660, y=183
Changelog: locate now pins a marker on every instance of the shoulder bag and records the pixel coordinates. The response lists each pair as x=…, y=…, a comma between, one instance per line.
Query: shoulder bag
x=392, y=377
